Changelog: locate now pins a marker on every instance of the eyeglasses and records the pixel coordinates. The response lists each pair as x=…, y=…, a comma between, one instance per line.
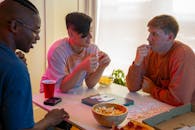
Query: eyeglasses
x=36, y=32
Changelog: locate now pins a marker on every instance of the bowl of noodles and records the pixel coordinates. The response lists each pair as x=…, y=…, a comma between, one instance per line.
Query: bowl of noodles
x=108, y=114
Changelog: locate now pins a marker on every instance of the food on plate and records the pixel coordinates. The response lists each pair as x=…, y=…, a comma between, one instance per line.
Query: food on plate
x=134, y=125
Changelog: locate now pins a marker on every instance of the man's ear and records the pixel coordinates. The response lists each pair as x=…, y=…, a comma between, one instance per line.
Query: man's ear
x=171, y=36
x=13, y=26
x=70, y=32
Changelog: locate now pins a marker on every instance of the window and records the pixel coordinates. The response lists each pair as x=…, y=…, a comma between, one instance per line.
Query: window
x=122, y=26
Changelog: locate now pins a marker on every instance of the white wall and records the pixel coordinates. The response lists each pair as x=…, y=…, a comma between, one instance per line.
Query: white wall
x=55, y=18
x=35, y=58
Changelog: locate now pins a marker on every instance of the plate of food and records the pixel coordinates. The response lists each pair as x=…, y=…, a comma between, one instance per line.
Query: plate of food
x=133, y=125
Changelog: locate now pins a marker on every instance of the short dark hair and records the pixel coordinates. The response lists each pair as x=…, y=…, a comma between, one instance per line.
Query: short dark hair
x=28, y=4
x=80, y=22
x=165, y=22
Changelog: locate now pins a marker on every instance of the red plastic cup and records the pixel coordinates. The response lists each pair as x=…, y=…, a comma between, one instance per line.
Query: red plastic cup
x=49, y=86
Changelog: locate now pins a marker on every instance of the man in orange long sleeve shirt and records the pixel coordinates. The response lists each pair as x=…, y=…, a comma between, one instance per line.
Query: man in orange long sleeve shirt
x=165, y=68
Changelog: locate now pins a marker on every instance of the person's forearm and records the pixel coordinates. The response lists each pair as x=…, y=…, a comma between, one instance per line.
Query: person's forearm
x=41, y=125
x=166, y=96
x=134, y=78
x=94, y=77
x=70, y=80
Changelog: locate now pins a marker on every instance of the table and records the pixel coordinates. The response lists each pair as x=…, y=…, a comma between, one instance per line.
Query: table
x=81, y=116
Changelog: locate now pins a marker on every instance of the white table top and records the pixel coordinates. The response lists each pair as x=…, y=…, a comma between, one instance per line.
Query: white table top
x=80, y=114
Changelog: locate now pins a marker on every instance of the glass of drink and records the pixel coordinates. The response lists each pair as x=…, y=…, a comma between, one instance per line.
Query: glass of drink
x=49, y=86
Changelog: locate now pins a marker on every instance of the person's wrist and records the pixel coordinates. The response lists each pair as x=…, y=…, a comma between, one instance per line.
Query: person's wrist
x=102, y=66
x=43, y=124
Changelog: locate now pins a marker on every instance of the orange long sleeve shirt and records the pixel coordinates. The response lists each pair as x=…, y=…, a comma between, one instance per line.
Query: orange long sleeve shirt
x=172, y=73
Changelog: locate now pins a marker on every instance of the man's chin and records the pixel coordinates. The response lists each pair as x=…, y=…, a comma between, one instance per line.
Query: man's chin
x=31, y=46
x=86, y=45
x=27, y=50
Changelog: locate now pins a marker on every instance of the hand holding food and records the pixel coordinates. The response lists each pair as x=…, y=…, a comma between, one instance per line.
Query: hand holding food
x=90, y=63
x=104, y=59
x=142, y=51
